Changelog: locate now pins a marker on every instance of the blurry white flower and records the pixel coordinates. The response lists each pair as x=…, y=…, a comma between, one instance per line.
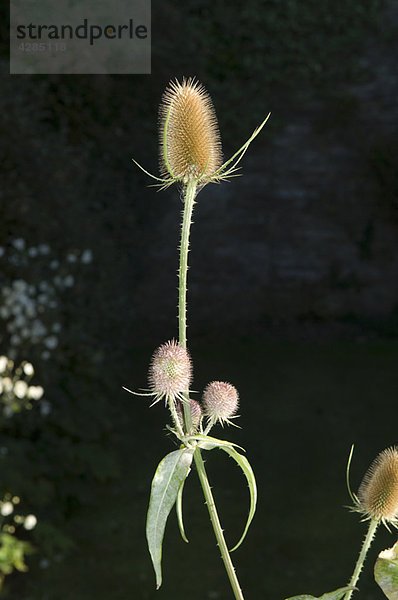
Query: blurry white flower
x=71, y=257
x=30, y=310
x=20, y=389
x=19, y=285
x=3, y=363
x=6, y=508
x=7, y=384
x=87, y=256
x=15, y=340
x=54, y=264
x=35, y=392
x=38, y=328
x=58, y=281
x=16, y=308
x=19, y=244
x=30, y=522
x=56, y=328
x=32, y=252
x=69, y=281
x=51, y=342
x=4, y=312
x=28, y=369
x=19, y=321
x=44, y=249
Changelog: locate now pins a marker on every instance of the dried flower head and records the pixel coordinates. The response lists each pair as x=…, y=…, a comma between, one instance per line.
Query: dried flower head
x=220, y=400
x=378, y=492
x=190, y=145
x=196, y=413
x=170, y=372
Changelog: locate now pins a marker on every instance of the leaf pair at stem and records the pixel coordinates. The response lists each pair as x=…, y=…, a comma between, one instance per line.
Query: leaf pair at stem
x=167, y=488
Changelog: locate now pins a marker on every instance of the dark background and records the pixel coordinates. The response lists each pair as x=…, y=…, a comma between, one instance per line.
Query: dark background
x=293, y=296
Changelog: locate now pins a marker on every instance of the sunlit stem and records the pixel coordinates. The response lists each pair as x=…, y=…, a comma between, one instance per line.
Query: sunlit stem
x=362, y=555
x=174, y=415
x=189, y=201
x=211, y=507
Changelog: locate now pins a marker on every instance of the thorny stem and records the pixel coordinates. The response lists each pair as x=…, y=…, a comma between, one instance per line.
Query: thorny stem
x=189, y=201
x=362, y=555
x=229, y=567
x=176, y=420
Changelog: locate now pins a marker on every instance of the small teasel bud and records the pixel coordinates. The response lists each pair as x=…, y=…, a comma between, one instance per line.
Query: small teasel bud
x=170, y=372
x=220, y=400
x=190, y=146
x=196, y=412
x=378, y=492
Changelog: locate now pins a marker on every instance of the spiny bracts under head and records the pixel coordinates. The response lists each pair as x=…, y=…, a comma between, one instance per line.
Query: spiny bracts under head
x=220, y=401
x=190, y=145
x=170, y=372
x=378, y=492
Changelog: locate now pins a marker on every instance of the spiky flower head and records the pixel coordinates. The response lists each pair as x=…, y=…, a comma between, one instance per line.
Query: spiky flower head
x=378, y=492
x=196, y=412
x=190, y=145
x=220, y=401
x=170, y=372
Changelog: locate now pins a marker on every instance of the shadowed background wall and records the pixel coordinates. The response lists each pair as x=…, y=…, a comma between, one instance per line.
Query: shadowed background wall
x=293, y=265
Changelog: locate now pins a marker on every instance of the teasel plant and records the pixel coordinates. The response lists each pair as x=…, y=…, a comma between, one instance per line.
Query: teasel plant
x=191, y=157
x=377, y=502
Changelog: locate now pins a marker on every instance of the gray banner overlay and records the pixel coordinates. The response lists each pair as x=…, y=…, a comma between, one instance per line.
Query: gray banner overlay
x=80, y=36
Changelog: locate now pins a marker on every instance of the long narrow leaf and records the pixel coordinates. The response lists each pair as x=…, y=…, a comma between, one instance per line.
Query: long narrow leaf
x=179, y=512
x=206, y=442
x=248, y=472
x=169, y=475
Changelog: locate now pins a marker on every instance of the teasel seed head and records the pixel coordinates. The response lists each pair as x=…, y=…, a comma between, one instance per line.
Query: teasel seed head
x=170, y=372
x=220, y=401
x=196, y=412
x=190, y=145
x=378, y=492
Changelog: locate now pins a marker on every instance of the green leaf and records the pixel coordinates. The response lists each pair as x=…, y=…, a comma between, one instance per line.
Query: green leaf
x=169, y=476
x=248, y=472
x=206, y=442
x=386, y=572
x=336, y=595
x=179, y=512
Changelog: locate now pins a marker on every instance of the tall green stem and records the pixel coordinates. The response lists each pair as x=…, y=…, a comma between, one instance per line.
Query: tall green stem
x=362, y=555
x=189, y=201
x=211, y=506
